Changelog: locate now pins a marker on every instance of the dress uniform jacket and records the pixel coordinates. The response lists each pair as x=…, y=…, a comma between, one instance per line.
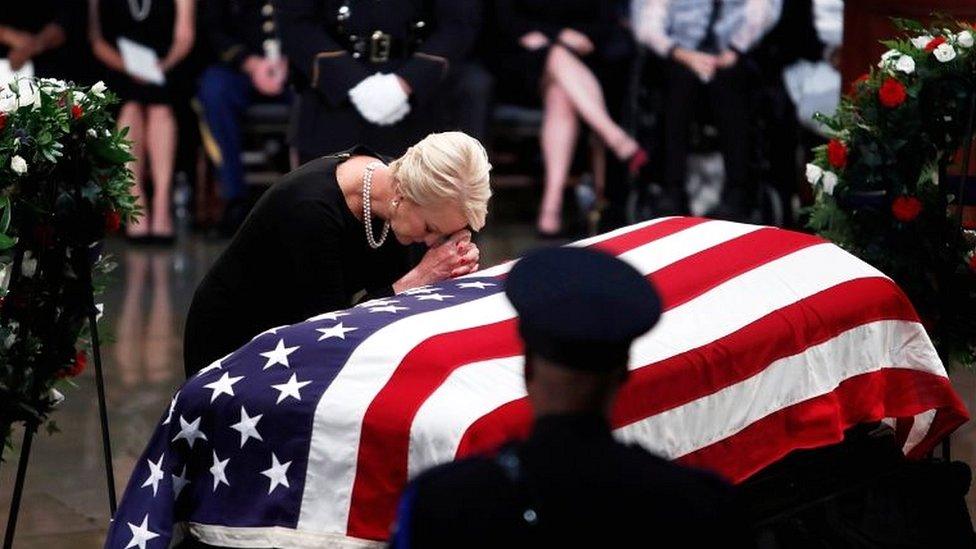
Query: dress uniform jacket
x=569, y=485
x=333, y=45
x=237, y=29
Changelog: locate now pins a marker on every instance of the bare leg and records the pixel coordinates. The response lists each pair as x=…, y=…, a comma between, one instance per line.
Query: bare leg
x=132, y=116
x=586, y=94
x=161, y=143
x=560, y=128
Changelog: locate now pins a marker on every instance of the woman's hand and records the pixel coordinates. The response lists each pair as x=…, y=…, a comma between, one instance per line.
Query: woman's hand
x=440, y=262
x=534, y=40
x=702, y=64
x=576, y=41
x=470, y=254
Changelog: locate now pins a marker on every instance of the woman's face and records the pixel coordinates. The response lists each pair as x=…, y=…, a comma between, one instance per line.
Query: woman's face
x=413, y=224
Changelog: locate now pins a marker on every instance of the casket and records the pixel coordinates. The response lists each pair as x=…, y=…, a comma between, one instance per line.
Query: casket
x=771, y=341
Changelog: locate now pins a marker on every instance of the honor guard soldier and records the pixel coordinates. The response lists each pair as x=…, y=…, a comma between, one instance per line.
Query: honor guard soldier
x=366, y=70
x=243, y=35
x=570, y=484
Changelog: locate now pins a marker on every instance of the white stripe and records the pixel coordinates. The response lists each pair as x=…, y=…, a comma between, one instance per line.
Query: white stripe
x=334, y=447
x=442, y=420
x=816, y=371
x=273, y=536
x=702, y=320
x=920, y=428
x=503, y=268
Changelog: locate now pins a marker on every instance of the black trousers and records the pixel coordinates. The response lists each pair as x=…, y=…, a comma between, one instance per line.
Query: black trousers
x=728, y=94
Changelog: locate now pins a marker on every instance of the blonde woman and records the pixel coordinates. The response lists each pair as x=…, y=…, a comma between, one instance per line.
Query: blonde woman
x=338, y=230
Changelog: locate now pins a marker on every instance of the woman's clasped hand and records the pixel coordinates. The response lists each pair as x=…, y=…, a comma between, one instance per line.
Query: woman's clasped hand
x=455, y=256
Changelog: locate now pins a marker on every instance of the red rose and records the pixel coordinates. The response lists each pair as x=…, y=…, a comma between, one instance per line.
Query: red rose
x=906, y=208
x=935, y=43
x=3, y=120
x=112, y=221
x=76, y=111
x=891, y=93
x=81, y=361
x=972, y=267
x=837, y=153
x=860, y=80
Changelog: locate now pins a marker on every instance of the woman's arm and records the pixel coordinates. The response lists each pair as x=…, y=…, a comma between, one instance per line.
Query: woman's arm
x=102, y=50
x=183, y=35
x=650, y=25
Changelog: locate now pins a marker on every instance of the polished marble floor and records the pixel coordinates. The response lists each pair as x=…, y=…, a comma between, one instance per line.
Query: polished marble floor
x=65, y=505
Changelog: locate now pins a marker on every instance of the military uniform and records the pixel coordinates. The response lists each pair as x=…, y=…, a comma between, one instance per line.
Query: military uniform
x=333, y=45
x=571, y=484
x=236, y=30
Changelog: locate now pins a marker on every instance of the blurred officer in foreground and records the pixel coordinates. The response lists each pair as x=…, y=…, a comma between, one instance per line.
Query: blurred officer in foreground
x=570, y=484
x=371, y=73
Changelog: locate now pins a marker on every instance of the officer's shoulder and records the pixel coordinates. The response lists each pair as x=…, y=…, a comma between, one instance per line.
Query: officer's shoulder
x=469, y=472
x=658, y=474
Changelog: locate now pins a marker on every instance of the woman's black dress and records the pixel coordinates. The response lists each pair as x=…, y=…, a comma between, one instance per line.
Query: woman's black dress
x=300, y=252
x=522, y=68
x=155, y=31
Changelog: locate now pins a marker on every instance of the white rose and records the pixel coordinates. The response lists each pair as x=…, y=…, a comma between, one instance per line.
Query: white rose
x=77, y=97
x=92, y=133
x=886, y=57
x=814, y=173
x=905, y=64
x=53, y=84
x=945, y=52
x=8, y=101
x=28, y=265
x=829, y=182
x=921, y=41
x=99, y=89
x=965, y=39
x=18, y=165
x=56, y=396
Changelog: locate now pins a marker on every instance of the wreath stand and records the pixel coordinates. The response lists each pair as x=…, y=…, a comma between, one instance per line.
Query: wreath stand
x=30, y=428
x=82, y=263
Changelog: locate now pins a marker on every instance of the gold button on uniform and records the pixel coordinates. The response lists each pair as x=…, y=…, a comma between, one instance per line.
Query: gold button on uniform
x=268, y=27
x=267, y=10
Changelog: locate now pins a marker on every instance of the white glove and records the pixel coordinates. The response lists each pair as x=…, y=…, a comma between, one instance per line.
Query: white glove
x=380, y=99
x=396, y=115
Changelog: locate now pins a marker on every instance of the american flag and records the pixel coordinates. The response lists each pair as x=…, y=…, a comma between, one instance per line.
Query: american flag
x=771, y=341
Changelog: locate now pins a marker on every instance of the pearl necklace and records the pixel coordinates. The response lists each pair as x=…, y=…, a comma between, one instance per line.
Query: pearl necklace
x=367, y=209
x=139, y=9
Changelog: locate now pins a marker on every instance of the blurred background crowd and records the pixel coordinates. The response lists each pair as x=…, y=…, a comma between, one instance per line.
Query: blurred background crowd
x=612, y=111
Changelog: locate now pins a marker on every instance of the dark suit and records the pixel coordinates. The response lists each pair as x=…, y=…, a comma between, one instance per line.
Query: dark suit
x=325, y=68
x=572, y=485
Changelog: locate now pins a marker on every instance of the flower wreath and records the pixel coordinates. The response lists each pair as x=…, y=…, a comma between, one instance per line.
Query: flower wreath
x=882, y=186
x=64, y=184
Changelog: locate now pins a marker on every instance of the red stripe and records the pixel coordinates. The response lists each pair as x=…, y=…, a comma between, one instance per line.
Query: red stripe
x=820, y=421
x=738, y=356
x=384, y=443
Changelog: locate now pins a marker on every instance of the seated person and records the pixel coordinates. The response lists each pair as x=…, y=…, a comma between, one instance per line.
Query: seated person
x=704, y=45
x=30, y=32
x=551, y=49
x=242, y=34
x=570, y=484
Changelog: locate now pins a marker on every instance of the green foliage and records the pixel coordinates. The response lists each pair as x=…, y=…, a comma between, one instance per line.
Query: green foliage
x=895, y=151
x=63, y=182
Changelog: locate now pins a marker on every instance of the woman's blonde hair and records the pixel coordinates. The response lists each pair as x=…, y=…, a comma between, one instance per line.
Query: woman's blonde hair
x=446, y=167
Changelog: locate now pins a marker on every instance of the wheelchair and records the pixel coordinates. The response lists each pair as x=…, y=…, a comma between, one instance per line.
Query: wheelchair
x=644, y=119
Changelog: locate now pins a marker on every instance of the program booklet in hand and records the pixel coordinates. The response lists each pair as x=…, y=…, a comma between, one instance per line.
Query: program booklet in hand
x=141, y=61
x=8, y=74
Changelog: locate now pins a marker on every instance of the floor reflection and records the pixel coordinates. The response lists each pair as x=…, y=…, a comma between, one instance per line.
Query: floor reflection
x=65, y=504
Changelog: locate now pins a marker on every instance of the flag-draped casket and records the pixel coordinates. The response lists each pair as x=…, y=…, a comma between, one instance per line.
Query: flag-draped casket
x=770, y=341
